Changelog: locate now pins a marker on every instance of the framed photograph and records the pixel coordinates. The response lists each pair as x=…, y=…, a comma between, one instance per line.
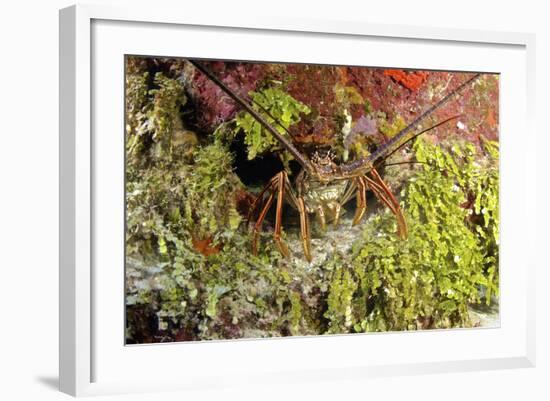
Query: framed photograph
x=281, y=200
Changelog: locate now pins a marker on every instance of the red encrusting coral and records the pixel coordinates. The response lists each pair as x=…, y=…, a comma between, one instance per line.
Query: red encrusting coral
x=205, y=247
x=384, y=93
x=411, y=80
x=216, y=107
x=314, y=85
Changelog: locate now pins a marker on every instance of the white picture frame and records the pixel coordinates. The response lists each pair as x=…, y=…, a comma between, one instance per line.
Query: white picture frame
x=88, y=366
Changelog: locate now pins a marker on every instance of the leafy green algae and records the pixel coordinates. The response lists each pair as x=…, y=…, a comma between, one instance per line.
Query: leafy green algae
x=177, y=291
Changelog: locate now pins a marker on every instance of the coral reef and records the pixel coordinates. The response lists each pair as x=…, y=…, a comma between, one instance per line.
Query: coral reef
x=190, y=272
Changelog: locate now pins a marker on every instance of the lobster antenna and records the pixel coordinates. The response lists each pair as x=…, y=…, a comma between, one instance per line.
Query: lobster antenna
x=417, y=135
x=405, y=162
x=285, y=142
x=392, y=145
x=388, y=148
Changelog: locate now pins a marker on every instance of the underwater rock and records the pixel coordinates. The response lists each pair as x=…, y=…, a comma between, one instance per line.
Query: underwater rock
x=324, y=245
x=485, y=316
x=194, y=276
x=216, y=107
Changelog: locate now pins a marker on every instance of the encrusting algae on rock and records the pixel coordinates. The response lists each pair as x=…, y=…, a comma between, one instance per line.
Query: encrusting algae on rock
x=190, y=272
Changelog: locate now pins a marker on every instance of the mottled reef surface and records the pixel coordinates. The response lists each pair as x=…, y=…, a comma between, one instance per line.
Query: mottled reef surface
x=195, y=163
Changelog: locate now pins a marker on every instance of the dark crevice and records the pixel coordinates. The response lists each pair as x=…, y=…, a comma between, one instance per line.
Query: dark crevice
x=256, y=172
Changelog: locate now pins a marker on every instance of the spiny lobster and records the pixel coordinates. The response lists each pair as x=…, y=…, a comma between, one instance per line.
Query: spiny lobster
x=322, y=185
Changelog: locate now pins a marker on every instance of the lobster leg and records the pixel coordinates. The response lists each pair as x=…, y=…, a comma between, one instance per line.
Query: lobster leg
x=258, y=225
x=336, y=210
x=260, y=196
x=402, y=223
x=281, y=178
x=322, y=218
x=358, y=187
x=374, y=174
x=378, y=192
x=349, y=192
x=300, y=204
x=304, y=228
x=384, y=194
x=361, y=201
x=280, y=187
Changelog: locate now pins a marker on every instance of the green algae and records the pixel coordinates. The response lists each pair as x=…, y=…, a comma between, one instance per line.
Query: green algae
x=181, y=187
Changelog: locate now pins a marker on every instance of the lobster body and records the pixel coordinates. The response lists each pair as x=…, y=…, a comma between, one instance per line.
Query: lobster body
x=323, y=187
x=320, y=195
